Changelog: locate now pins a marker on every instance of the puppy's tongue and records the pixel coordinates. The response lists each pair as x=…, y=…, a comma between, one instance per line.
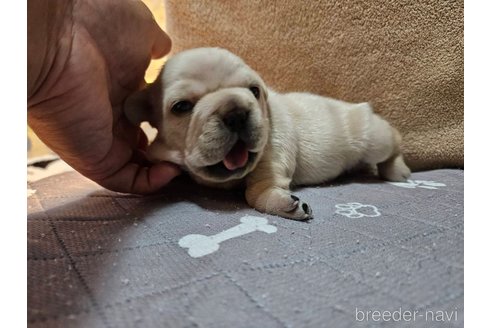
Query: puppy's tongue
x=237, y=156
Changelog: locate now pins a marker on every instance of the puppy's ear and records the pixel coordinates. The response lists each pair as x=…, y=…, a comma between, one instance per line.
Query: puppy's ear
x=145, y=105
x=138, y=107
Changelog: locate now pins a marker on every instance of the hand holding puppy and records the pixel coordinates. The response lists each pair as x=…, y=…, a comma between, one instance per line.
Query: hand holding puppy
x=84, y=59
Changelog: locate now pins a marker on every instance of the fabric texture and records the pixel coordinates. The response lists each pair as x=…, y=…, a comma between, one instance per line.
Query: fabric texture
x=404, y=57
x=102, y=259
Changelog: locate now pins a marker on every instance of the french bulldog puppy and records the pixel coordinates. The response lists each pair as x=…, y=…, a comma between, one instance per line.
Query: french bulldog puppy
x=218, y=120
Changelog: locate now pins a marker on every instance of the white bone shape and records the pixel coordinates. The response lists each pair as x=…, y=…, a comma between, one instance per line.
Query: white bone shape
x=200, y=245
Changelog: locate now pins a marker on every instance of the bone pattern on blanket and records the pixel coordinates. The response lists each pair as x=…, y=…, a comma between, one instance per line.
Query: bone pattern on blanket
x=200, y=245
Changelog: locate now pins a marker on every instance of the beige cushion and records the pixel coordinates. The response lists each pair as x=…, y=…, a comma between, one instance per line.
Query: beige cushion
x=404, y=57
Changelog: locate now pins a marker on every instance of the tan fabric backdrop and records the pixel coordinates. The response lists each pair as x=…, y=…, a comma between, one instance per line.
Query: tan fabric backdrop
x=405, y=57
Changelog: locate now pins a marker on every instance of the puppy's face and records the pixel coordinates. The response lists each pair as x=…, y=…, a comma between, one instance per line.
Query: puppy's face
x=211, y=113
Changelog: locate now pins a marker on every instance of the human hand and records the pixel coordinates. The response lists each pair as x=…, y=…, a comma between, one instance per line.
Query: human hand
x=99, y=55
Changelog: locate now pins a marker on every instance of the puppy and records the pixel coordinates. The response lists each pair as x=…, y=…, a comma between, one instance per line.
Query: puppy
x=217, y=119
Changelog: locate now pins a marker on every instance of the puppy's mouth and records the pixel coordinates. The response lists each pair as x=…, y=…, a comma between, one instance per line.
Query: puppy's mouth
x=237, y=157
x=235, y=161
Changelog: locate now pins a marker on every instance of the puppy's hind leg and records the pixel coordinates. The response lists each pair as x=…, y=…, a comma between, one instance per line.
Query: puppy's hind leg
x=394, y=169
x=384, y=151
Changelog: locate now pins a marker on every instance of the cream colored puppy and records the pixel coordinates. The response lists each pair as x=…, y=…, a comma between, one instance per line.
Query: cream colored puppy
x=217, y=119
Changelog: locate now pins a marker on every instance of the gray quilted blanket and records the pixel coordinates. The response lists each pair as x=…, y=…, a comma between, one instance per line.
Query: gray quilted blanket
x=377, y=254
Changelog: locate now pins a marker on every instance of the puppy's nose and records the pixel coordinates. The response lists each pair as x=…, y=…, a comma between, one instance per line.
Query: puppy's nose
x=235, y=120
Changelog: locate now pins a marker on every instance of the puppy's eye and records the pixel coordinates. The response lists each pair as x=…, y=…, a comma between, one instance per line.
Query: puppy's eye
x=182, y=107
x=255, y=91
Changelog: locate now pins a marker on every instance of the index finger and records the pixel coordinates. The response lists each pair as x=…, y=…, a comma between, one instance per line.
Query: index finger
x=162, y=43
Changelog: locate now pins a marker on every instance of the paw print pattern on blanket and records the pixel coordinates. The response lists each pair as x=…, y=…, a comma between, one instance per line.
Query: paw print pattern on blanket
x=412, y=184
x=357, y=210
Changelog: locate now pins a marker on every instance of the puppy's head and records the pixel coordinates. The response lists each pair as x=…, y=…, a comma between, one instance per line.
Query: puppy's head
x=211, y=113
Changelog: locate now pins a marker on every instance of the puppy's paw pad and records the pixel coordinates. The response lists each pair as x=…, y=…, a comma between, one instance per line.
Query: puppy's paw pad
x=302, y=211
x=307, y=209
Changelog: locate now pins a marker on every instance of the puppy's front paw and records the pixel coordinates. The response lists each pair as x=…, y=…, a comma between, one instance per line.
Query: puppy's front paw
x=302, y=210
x=282, y=203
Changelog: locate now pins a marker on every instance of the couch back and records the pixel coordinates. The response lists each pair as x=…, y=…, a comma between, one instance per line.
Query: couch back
x=404, y=57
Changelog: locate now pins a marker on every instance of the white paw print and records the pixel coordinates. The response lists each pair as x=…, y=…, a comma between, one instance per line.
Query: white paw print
x=350, y=210
x=412, y=184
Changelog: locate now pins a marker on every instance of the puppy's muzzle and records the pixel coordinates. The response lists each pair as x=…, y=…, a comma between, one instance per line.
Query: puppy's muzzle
x=232, y=137
x=236, y=119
